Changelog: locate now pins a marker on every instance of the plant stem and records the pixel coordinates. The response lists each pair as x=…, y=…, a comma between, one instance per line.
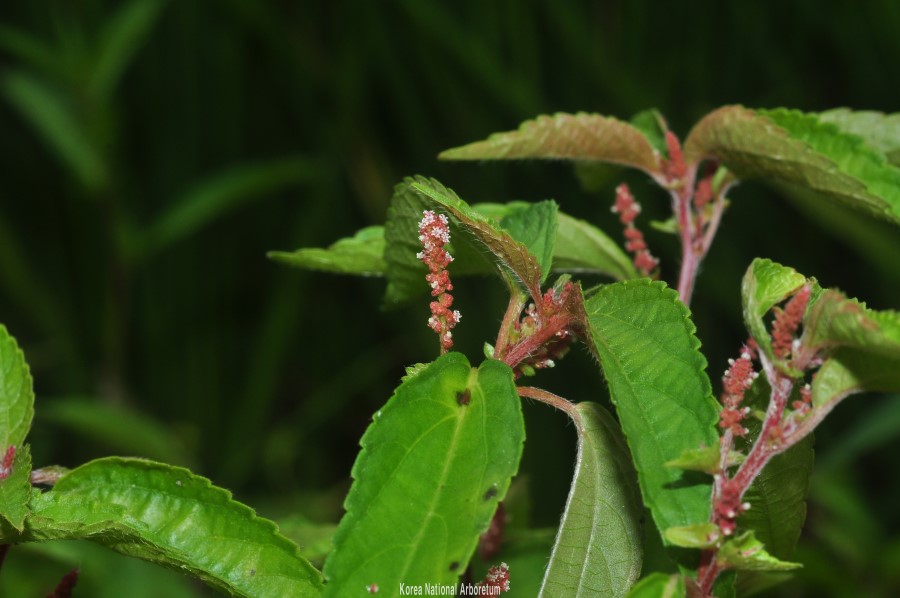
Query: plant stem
x=532, y=343
x=513, y=309
x=539, y=394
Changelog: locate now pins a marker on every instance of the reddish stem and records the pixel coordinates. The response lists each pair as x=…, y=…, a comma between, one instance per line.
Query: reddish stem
x=539, y=394
x=532, y=343
x=513, y=311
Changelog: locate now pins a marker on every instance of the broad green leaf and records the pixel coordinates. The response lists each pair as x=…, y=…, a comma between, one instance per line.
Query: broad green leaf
x=598, y=549
x=54, y=118
x=222, y=193
x=881, y=131
x=705, y=459
x=659, y=585
x=314, y=539
x=582, y=247
x=794, y=148
x=363, y=254
x=433, y=466
x=777, y=496
x=169, y=516
x=118, y=427
x=835, y=321
x=652, y=124
x=120, y=40
x=765, y=285
x=535, y=226
x=747, y=553
x=644, y=339
x=582, y=136
x=698, y=535
x=15, y=490
x=16, y=394
x=850, y=371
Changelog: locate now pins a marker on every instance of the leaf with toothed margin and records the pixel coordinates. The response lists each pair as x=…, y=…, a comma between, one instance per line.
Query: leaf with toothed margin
x=169, y=516
x=598, y=549
x=434, y=464
x=16, y=393
x=850, y=371
x=644, y=339
x=581, y=137
x=790, y=147
x=659, y=585
x=834, y=321
x=361, y=254
x=765, y=285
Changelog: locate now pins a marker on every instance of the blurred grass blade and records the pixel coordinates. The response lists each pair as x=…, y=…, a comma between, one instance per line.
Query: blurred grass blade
x=118, y=428
x=54, y=119
x=120, y=40
x=225, y=192
x=30, y=50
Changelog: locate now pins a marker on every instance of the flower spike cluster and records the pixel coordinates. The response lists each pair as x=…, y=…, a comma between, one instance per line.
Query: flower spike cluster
x=737, y=379
x=628, y=209
x=434, y=233
x=787, y=321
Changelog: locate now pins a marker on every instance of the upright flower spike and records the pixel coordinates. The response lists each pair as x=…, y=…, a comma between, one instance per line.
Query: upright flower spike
x=434, y=234
x=737, y=379
x=787, y=321
x=628, y=209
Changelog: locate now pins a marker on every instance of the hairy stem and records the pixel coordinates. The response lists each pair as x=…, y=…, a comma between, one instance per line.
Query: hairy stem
x=539, y=394
x=532, y=343
x=513, y=310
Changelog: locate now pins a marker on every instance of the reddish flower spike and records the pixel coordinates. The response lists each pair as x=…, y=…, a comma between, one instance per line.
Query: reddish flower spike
x=65, y=586
x=787, y=322
x=7, y=464
x=675, y=167
x=434, y=233
x=497, y=577
x=628, y=209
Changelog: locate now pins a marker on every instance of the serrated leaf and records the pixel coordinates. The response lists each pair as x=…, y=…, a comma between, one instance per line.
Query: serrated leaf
x=794, y=148
x=698, y=535
x=171, y=517
x=765, y=285
x=15, y=490
x=434, y=464
x=659, y=585
x=598, y=549
x=881, y=131
x=747, y=553
x=361, y=254
x=644, y=339
x=777, y=496
x=562, y=136
x=705, y=459
x=16, y=393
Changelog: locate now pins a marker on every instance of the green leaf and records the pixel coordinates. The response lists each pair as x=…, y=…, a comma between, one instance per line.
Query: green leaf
x=433, y=466
x=535, y=226
x=121, y=37
x=765, y=285
x=659, y=585
x=314, y=539
x=644, y=339
x=777, y=496
x=598, y=549
x=222, y=193
x=15, y=490
x=747, y=553
x=698, y=535
x=470, y=234
x=850, y=371
x=169, y=516
x=790, y=147
x=880, y=131
x=835, y=321
x=704, y=459
x=652, y=124
x=579, y=136
x=362, y=254
x=16, y=393
x=54, y=118
x=582, y=247
x=118, y=427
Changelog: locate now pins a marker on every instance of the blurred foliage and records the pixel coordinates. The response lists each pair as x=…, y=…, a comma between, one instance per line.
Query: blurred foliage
x=155, y=151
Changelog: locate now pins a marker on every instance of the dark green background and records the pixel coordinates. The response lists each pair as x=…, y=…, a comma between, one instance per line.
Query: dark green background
x=154, y=151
